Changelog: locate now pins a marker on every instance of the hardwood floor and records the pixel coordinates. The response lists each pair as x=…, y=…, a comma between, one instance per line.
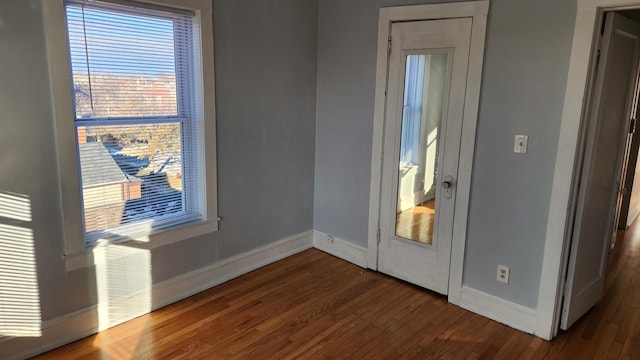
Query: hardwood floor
x=416, y=223
x=315, y=306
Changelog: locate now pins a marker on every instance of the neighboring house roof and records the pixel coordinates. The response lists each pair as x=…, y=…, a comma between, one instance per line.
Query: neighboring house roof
x=98, y=167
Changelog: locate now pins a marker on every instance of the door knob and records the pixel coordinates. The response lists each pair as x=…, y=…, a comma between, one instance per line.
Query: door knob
x=447, y=186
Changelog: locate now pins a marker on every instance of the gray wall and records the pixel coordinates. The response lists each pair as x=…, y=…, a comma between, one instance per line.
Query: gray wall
x=523, y=85
x=347, y=36
x=266, y=54
x=265, y=97
x=526, y=63
x=266, y=71
x=27, y=162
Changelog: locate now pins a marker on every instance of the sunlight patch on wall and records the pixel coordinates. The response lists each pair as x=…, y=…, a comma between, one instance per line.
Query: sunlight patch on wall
x=123, y=277
x=19, y=294
x=15, y=207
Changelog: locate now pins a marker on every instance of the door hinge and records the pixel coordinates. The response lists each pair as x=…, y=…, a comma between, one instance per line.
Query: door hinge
x=378, y=236
x=389, y=45
x=632, y=127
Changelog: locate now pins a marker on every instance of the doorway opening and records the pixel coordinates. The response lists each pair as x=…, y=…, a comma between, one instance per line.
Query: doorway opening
x=607, y=161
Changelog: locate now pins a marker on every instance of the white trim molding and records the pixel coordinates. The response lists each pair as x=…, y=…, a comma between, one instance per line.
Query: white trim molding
x=343, y=249
x=503, y=311
x=74, y=326
x=478, y=11
x=561, y=207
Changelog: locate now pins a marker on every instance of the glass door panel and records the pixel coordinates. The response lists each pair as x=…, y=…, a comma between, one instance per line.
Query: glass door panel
x=423, y=104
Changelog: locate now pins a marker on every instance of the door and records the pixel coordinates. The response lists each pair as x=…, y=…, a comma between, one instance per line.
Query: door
x=629, y=165
x=423, y=122
x=621, y=186
x=625, y=180
x=620, y=215
x=598, y=191
x=628, y=171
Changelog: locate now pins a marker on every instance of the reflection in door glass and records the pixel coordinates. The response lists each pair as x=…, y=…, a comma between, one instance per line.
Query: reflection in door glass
x=424, y=95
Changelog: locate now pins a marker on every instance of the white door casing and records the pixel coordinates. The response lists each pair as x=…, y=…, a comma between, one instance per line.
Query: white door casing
x=608, y=127
x=423, y=264
x=588, y=22
x=477, y=11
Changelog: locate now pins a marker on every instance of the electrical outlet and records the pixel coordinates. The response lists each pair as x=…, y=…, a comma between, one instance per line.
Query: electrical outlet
x=330, y=239
x=503, y=274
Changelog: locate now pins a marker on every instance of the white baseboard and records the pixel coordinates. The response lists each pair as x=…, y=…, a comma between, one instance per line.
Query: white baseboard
x=74, y=326
x=194, y=282
x=55, y=333
x=503, y=311
x=343, y=249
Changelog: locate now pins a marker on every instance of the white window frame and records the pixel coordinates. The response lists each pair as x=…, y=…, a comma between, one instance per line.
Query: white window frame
x=76, y=254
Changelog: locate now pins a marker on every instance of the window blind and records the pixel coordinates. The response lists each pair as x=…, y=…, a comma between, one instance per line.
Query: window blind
x=133, y=77
x=412, y=110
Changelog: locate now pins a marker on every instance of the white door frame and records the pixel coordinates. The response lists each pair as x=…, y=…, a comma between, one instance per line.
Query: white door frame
x=568, y=159
x=477, y=10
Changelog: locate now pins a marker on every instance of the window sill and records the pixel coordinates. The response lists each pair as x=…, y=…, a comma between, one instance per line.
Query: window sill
x=406, y=165
x=89, y=257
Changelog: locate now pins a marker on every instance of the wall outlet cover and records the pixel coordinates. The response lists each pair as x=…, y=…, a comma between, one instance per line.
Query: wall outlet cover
x=503, y=274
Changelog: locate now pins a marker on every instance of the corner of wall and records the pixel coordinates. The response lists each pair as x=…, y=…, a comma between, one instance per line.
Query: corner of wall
x=343, y=249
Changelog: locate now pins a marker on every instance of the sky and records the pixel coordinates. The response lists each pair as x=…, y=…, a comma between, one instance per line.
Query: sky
x=120, y=44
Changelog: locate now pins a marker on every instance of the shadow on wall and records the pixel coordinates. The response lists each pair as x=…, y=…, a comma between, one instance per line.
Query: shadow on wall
x=20, y=314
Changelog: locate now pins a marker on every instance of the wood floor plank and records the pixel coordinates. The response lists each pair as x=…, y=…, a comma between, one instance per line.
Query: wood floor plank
x=614, y=351
x=535, y=349
x=602, y=347
x=315, y=306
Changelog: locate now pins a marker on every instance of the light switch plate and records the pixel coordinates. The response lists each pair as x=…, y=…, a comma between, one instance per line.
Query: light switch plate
x=520, y=144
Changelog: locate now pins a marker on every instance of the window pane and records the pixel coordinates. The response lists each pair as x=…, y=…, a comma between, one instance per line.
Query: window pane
x=136, y=117
x=123, y=65
x=130, y=173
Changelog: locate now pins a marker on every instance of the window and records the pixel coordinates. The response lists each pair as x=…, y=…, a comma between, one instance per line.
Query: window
x=424, y=95
x=137, y=85
x=412, y=109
